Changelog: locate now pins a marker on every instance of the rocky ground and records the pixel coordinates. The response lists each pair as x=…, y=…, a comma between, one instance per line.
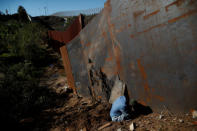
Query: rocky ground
x=72, y=113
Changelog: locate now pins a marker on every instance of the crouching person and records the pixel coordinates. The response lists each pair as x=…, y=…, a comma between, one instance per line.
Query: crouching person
x=119, y=110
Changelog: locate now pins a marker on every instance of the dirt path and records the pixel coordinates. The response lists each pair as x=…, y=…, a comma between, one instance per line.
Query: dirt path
x=71, y=113
x=78, y=114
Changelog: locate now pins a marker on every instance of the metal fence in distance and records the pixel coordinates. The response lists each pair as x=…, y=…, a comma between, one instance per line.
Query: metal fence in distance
x=78, y=12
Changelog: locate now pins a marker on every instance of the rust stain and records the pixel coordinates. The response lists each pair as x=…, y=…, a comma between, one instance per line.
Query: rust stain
x=185, y=81
x=82, y=42
x=129, y=25
x=160, y=98
x=132, y=36
x=104, y=34
x=103, y=69
x=108, y=5
x=110, y=58
x=153, y=27
x=151, y=14
x=115, y=18
x=88, y=44
x=192, y=110
x=115, y=43
x=138, y=13
x=144, y=77
x=146, y=87
x=141, y=68
x=113, y=37
x=99, y=97
x=121, y=29
x=124, y=14
x=142, y=102
x=152, y=89
x=177, y=3
x=118, y=59
x=110, y=71
x=189, y=13
x=111, y=28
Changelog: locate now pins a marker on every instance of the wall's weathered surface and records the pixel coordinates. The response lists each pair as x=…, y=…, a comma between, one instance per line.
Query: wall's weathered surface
x=150, y=44
x=79, y=69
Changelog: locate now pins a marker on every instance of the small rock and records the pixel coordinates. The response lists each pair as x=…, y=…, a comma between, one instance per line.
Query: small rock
x=194, y=114
x=174, y=119
x=65, y=122
x=65, y=87
x=160, y=117
x=119, y=129
x=181, y=121
x=131, y=127
x=117, y=90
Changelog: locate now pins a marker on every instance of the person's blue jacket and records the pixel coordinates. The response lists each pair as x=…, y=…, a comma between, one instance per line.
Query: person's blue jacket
x=118, y=107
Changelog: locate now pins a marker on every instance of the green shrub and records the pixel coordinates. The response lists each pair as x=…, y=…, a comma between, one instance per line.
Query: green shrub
x=23, y=56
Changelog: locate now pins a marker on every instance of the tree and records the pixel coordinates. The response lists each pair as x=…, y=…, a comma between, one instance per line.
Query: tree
x=1, y=13
x=23, y=16
x=6, y=11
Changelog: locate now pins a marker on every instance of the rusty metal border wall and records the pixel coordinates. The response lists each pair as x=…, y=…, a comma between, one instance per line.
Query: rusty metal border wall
x=150, y=44
x=59, y=39
x=66, y=36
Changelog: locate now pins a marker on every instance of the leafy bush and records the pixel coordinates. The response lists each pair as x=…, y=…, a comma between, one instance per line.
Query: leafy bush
x=23, y=56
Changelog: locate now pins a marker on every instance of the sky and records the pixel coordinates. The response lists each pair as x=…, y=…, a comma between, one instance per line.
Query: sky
x=40, y=7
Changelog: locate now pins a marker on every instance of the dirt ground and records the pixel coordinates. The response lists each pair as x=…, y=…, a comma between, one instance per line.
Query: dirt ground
x=72, y=113
x=78, y=114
